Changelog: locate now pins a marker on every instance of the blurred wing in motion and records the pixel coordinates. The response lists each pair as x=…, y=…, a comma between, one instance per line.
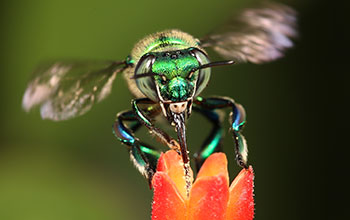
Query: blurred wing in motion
x=69, y=89
x=256, y=35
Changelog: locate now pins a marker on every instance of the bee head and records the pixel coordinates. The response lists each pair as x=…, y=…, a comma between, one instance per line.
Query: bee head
x=173, y=78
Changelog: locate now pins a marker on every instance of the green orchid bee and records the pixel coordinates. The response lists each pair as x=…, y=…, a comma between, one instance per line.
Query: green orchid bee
x=166, y=72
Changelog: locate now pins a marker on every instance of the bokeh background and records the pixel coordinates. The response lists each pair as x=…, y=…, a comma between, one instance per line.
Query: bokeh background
x=76, y=169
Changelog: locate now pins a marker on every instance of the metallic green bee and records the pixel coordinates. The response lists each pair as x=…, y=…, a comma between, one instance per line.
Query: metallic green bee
x=166, y=72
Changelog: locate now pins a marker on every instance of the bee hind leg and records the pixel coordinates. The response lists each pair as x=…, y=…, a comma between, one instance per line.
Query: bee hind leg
x=143, y=156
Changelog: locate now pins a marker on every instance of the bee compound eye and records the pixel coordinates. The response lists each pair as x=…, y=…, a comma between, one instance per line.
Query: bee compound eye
x=204, y=74
x=146, y=84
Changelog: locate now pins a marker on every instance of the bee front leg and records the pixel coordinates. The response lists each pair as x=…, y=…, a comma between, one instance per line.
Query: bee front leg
x=143, y=116
x=143, y=156
x=213, y=142
x=237, y=121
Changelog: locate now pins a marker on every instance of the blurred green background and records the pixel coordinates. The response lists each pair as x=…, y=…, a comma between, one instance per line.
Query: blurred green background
x=76, y=169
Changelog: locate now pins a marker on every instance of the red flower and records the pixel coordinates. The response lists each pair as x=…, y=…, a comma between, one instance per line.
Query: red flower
x=210, y=196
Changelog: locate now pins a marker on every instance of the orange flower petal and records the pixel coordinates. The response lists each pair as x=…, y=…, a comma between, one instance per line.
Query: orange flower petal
x=241, y=202
x=171, y=163
x=208, y=198
x=209, y=193
x=214, y=165
x=167, y=201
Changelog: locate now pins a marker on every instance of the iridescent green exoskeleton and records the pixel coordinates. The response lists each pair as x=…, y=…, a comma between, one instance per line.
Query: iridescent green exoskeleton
x=166, y=72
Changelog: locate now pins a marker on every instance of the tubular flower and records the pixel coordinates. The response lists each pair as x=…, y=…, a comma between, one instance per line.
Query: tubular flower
x=210, y=196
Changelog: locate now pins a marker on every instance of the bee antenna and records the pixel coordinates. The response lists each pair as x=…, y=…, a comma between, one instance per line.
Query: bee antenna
x=217, y=63
x=142, y=75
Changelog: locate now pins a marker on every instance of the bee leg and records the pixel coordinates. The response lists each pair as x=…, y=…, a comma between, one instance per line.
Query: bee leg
x=237, y=121
x=142, y=155
x=213, y=142
x=144, y=118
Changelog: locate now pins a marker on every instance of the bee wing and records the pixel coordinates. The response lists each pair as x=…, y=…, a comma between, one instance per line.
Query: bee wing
x=69, y=89
x=256, y=35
